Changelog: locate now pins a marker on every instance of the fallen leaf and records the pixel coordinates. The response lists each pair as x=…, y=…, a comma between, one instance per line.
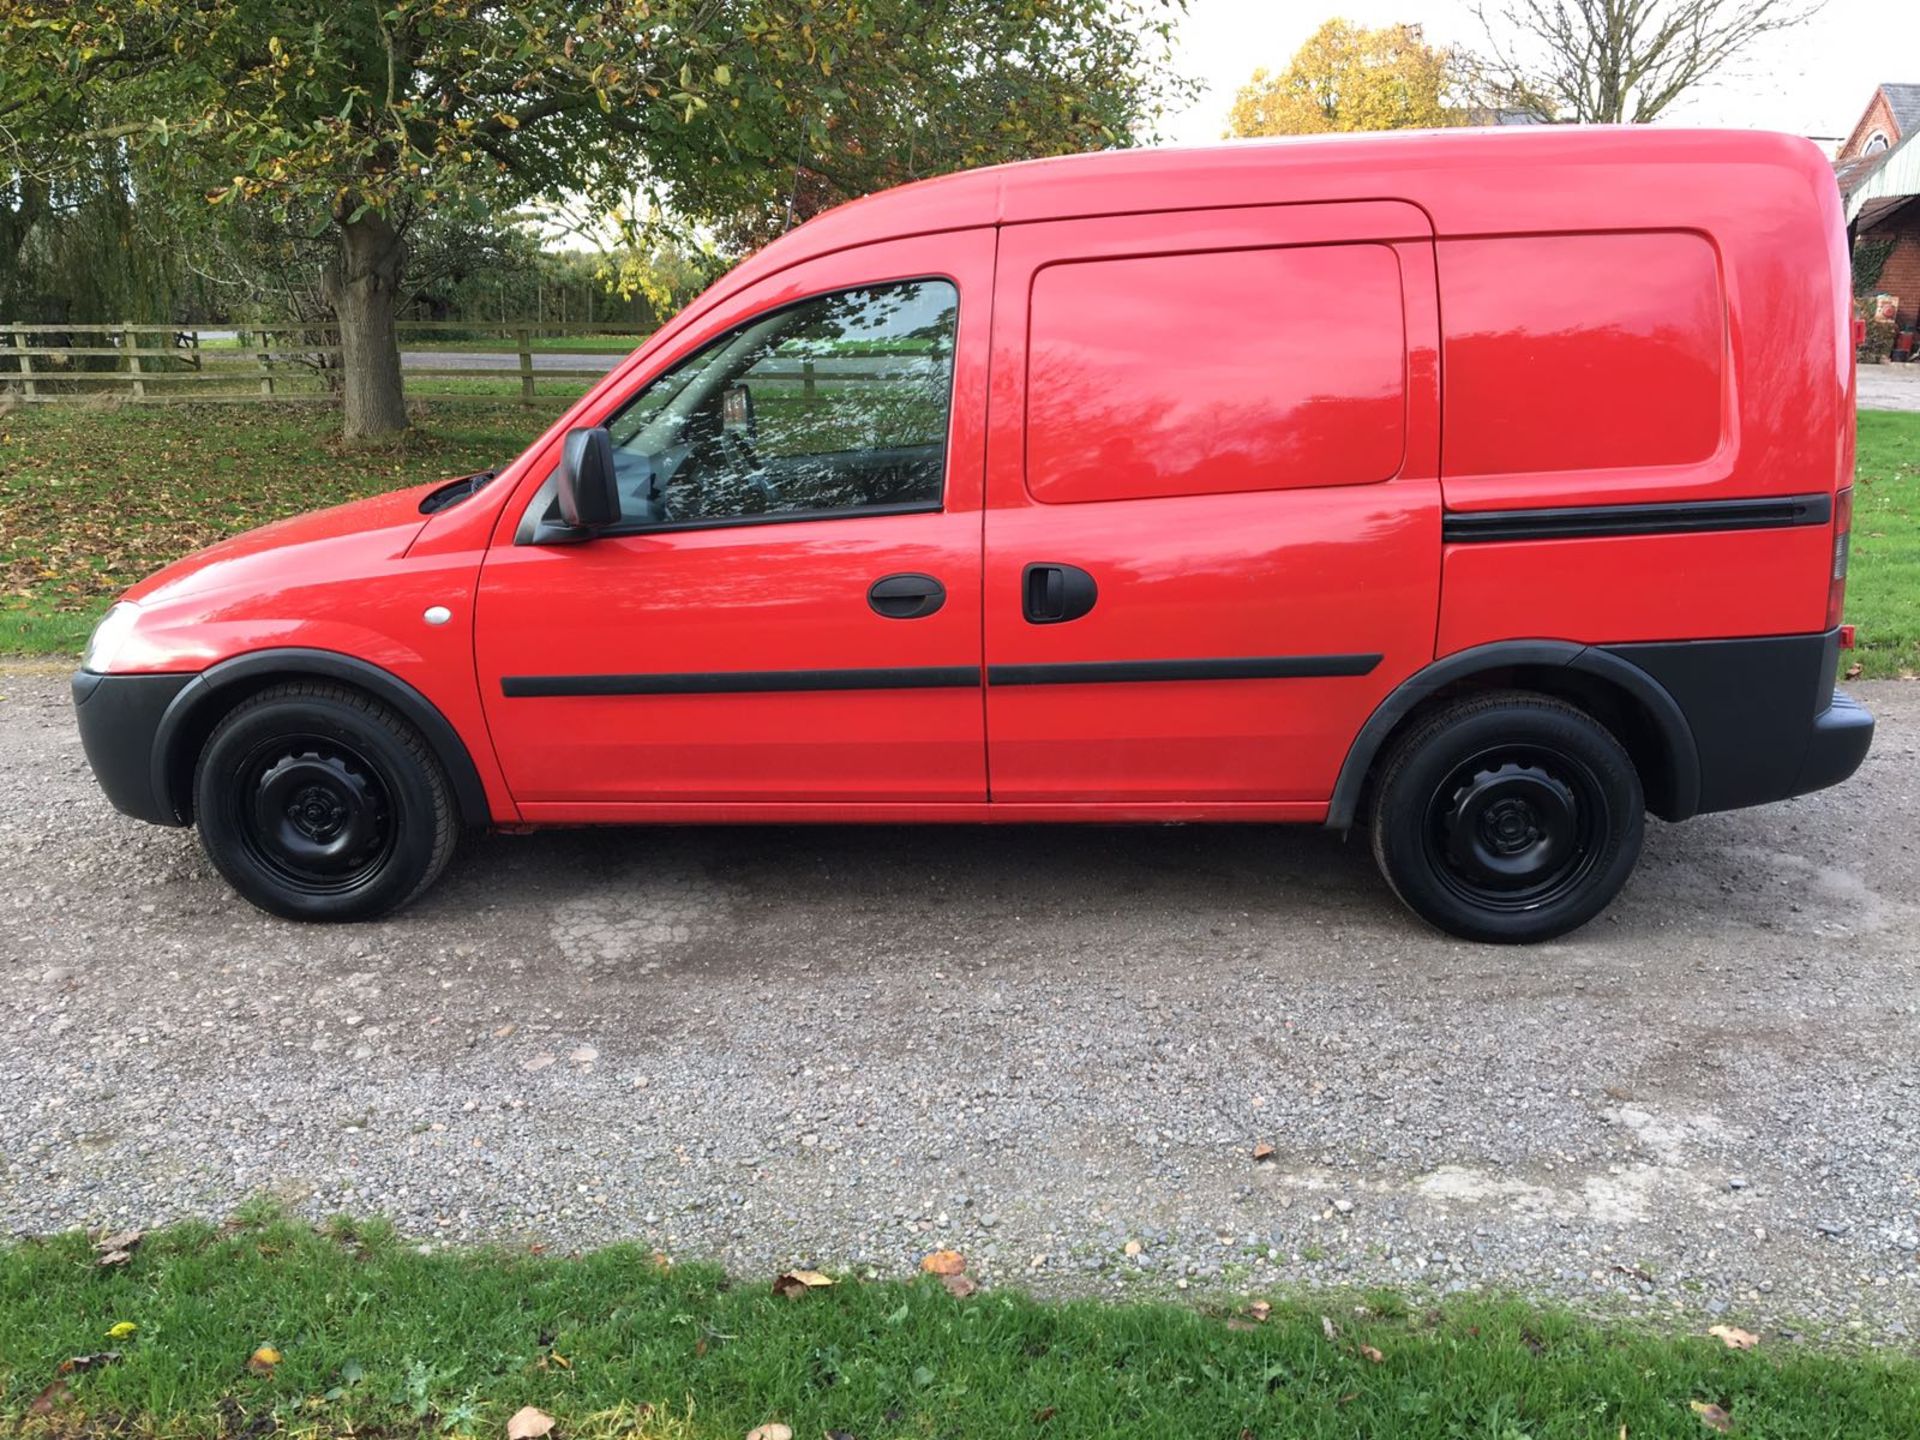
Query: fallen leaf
x=944, y=1262
x=49, y=1399
x=772, y=1430
x=1260, y=1310
x=1045, y=1413
x=528, y=1424
x=1262, y=1151
x=1373, y=1355
x=1734, y=1337
x=1131, y=1248
x=583, y=1055
x=120, y=1331
x=1326, y=1324
x=538, y=1062
x=1853, y=671
x=116, y=1249
x=959, y=1286
x=796, y=1283
x=502, y=1032
x=87, y=1362
x=1712, y=1416
x=262, y=1361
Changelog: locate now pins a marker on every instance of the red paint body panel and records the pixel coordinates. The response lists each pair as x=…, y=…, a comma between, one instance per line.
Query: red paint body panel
x=1290, y=570
x=1655, y=587
x=1214, y=379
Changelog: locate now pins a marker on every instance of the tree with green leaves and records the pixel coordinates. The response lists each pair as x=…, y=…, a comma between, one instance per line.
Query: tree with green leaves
x=368, y=114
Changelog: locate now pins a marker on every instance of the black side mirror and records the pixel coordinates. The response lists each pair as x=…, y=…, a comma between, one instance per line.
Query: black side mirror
x=589, y=494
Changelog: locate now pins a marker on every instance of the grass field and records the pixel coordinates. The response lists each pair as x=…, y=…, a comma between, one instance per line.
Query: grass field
x=1883, y=584
x=265, y=1324
x=93, y=498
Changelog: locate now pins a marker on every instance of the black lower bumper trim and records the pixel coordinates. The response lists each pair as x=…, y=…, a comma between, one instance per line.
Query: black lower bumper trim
x=1767, y=721
x=1841, y=735
x=119, y=717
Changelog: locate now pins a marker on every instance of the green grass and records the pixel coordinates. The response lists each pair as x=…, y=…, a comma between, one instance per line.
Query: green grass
x=1883, y=583
x=376, y=1339
x=94, y=498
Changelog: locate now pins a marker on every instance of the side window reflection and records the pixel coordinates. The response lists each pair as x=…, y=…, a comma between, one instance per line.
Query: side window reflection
x=837, y=404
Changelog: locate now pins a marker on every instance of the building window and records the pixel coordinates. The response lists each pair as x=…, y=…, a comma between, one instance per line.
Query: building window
x=1876, y=142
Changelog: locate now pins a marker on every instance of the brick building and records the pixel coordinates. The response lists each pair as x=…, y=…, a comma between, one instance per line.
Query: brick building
x=1882, y=146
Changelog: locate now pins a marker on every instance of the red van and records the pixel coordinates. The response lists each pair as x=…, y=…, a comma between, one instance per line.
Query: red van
x=1486, y=488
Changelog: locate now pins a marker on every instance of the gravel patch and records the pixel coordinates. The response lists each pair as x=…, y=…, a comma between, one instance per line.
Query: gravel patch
x=1055, y=1050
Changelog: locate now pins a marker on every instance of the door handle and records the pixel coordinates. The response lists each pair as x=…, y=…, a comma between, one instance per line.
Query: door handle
x=906, y=597
x=1052, y=594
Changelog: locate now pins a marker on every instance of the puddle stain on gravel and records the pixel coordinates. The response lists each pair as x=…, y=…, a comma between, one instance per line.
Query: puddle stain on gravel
x=641, y=921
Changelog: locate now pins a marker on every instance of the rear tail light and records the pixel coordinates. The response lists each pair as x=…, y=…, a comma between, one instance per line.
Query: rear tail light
x=1842, y=542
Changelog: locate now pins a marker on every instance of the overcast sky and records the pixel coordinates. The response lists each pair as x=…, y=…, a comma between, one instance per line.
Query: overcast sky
x=1812, y=81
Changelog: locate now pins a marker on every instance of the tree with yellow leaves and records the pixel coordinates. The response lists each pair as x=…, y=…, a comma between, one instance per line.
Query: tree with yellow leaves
x=1348, y=77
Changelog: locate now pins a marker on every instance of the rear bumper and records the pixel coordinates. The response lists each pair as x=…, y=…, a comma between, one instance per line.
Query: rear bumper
x=1767, y=720
x=119, y=718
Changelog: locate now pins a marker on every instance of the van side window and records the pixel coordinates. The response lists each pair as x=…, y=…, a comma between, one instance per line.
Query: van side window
x=1203, y=374
x=836, y=405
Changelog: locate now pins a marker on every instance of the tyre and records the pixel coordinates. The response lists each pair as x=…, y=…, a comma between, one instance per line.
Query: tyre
x=1509, y=817
x=319, y=803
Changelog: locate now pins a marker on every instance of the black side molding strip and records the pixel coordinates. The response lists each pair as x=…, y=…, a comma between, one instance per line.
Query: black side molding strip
x=745, y=682
x=1582, y=522
x=940, y=677
x=1251, y=667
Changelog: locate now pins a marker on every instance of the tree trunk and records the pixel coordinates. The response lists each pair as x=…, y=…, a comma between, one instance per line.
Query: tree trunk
x=361, y=284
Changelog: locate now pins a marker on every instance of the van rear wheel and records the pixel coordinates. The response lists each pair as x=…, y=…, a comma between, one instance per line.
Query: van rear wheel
x=1509, y=817
x=316, y=802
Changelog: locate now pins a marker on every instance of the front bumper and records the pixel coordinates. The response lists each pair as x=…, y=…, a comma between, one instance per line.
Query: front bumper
x=119, y=719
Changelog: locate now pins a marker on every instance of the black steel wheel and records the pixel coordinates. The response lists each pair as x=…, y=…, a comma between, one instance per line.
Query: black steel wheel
x=1508, y=817
x=318, y=803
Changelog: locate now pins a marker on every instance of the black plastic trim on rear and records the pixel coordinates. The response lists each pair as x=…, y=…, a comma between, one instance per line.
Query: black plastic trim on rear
x=745, y=682
x=1583, y=522
x=1250, y=667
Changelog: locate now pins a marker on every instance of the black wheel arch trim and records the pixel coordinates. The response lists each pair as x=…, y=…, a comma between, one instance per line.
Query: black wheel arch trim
x=1669, y=720
x=294, y=663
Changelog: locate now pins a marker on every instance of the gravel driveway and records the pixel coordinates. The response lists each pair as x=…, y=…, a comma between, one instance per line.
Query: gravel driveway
x=848, y=1046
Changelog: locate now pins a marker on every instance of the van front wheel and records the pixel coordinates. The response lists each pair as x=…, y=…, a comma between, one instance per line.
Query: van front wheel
x=319, y=803
x=1508, y=817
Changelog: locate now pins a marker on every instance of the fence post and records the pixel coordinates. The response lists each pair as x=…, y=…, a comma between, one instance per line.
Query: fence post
x=260, y=357
x=806, y=378
x=25, y=352
x=131, y=344
x=525, y=339
x=195, y=356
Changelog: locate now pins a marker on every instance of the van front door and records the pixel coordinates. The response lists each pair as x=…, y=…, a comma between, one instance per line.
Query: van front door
x=1213, y=511
x=789, y=610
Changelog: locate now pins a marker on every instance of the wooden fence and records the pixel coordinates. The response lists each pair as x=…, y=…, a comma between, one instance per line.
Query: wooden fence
x=160, y=363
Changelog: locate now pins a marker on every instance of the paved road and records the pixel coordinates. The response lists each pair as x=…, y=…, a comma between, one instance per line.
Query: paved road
x=849, y=1045
x=507, y=360
x=1889, y=387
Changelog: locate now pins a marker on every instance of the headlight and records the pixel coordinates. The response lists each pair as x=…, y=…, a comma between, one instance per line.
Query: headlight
x=108, y=636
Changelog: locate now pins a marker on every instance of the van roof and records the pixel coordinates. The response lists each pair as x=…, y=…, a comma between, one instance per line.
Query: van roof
x=1466, y=180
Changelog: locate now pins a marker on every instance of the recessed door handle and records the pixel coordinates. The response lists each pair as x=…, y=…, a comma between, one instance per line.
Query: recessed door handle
x=906, y=597
x=1052, y=594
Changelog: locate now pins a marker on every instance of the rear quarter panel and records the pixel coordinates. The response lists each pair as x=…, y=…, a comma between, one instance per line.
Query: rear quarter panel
x=1678, y=334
